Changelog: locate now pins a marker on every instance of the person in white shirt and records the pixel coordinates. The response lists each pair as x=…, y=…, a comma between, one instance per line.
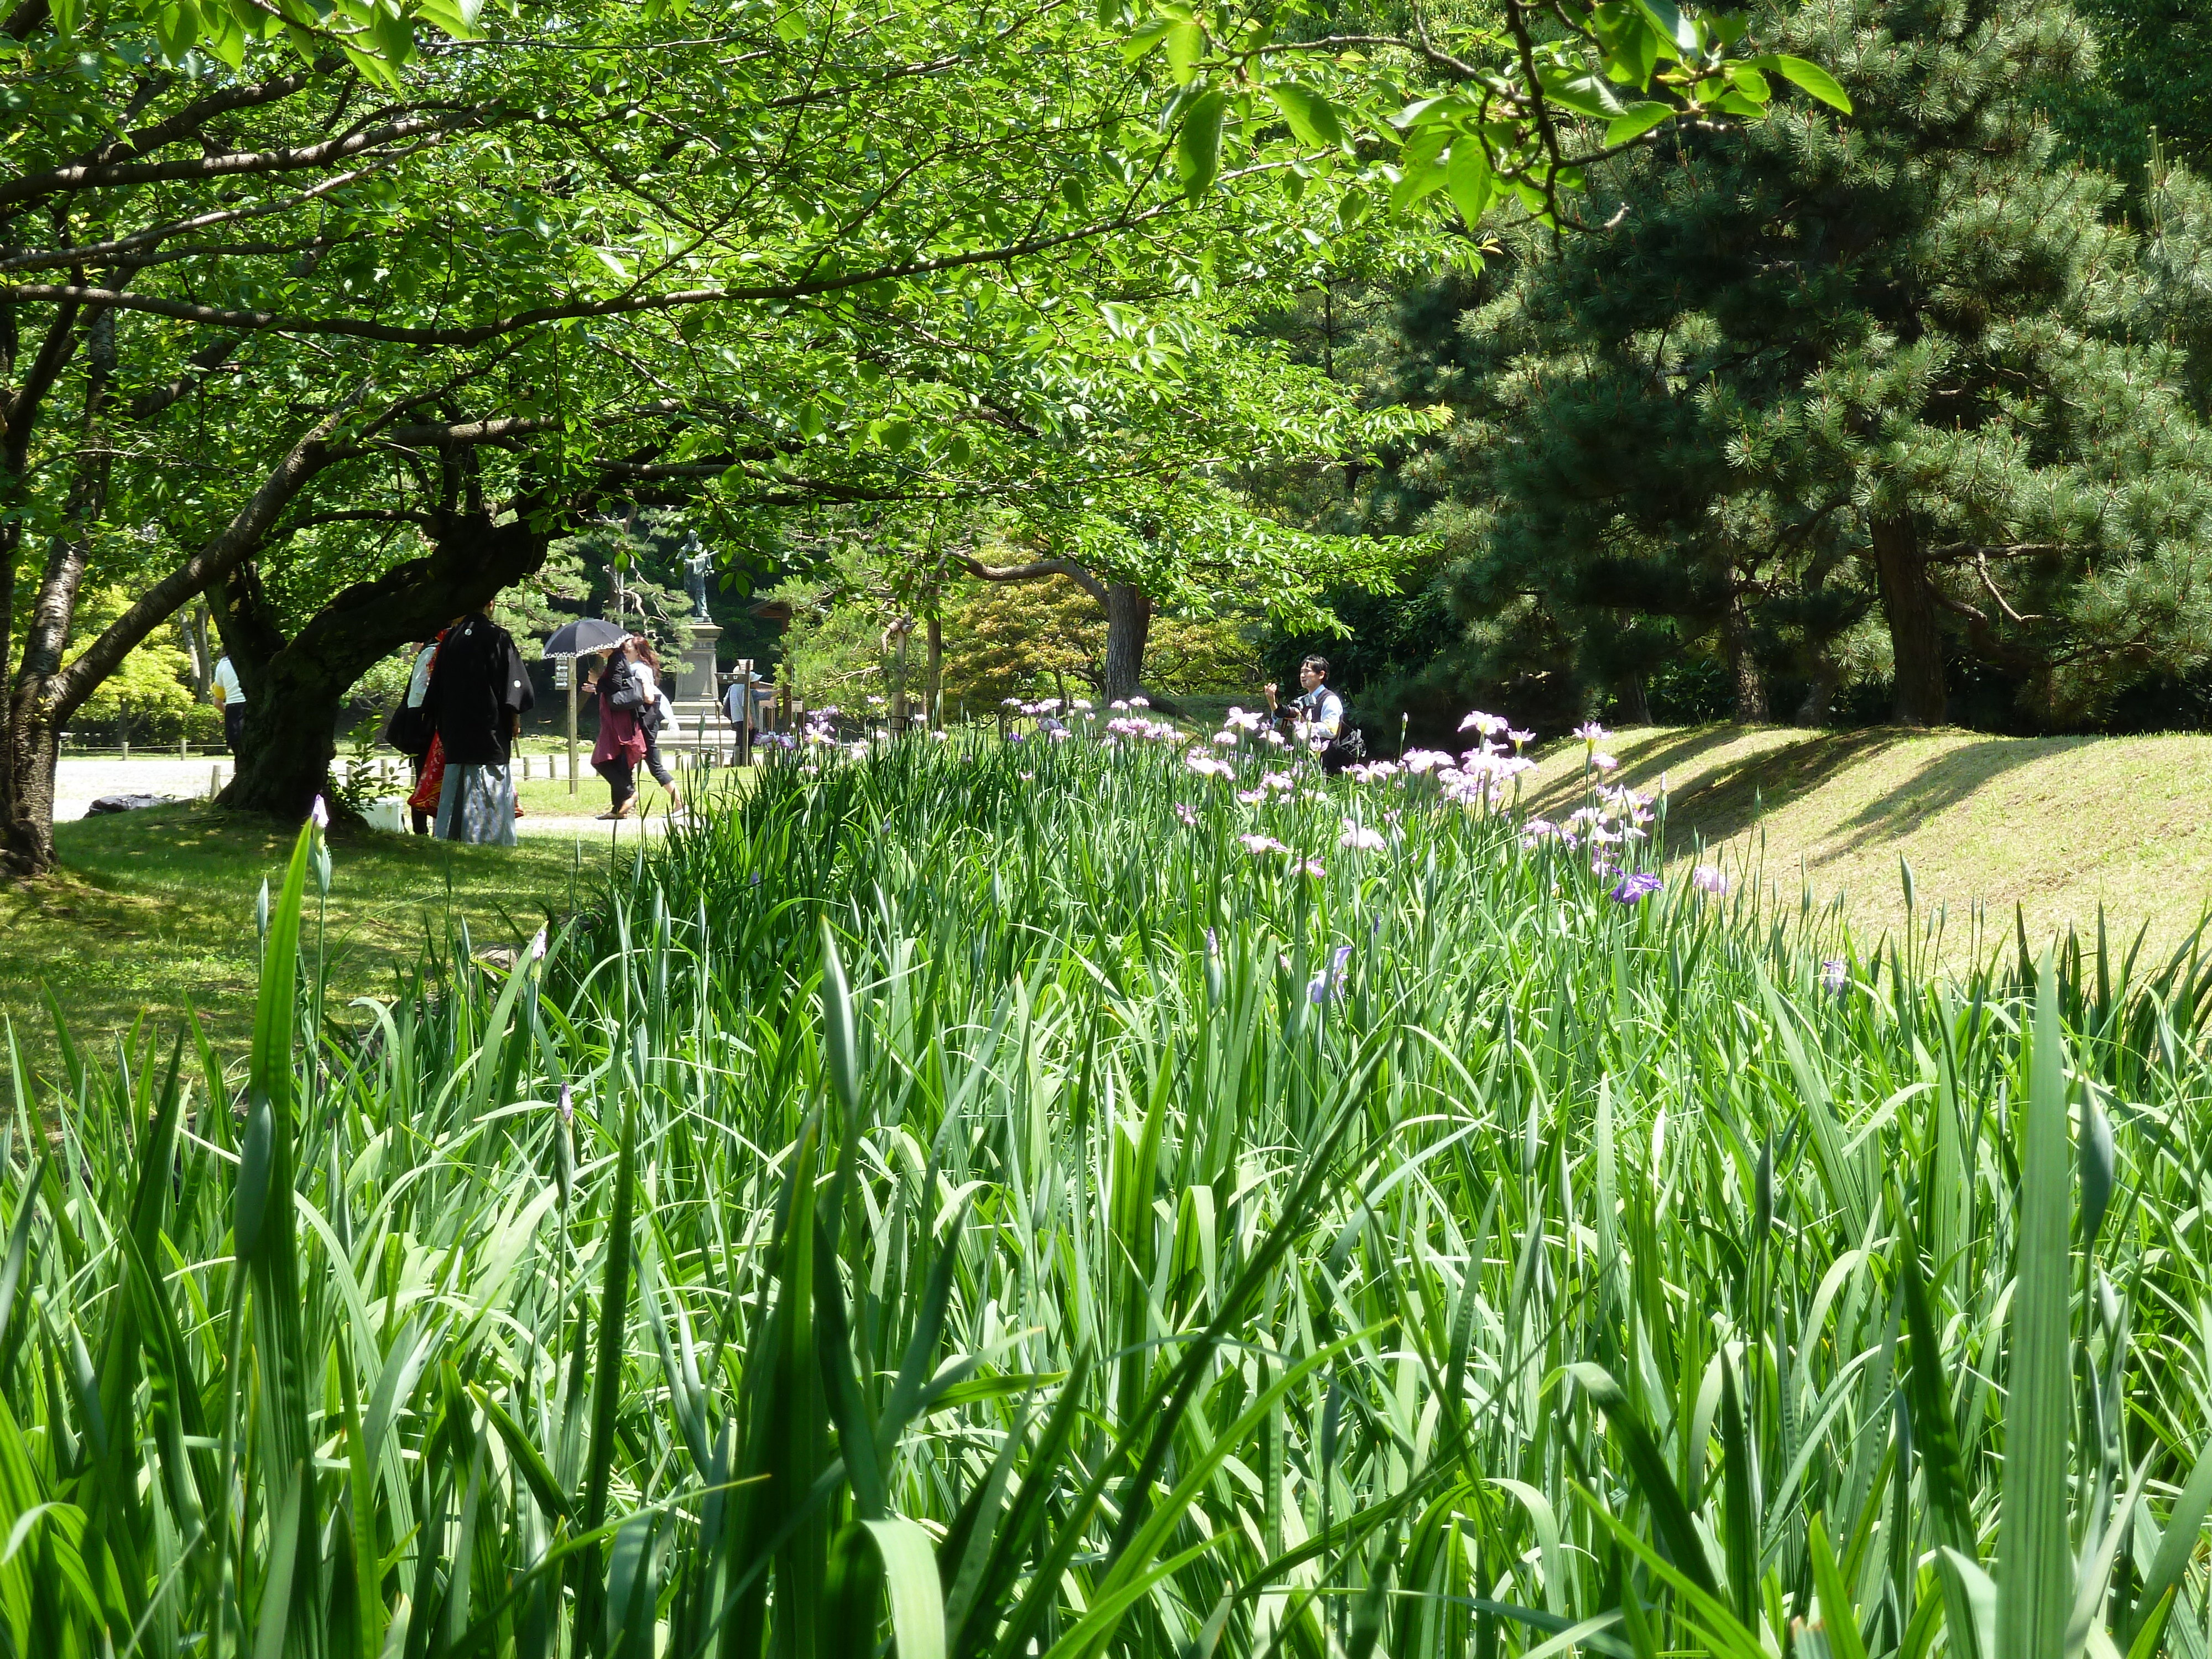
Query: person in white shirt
x=1318, y=710
x=233, y=703
x=741, y=704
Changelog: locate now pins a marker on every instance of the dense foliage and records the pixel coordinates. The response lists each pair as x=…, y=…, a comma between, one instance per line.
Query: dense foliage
x=1899, y=415
x=397, y=294
x=977, y=1201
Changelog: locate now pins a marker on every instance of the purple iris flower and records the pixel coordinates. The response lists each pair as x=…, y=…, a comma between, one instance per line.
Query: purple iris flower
x=1635, y=889
x=1330, y=981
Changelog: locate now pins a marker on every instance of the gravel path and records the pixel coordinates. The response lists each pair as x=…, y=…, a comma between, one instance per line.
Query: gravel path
x=78, y=783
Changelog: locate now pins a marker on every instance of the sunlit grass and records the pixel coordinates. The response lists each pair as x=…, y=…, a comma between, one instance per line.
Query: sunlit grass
x=952, y=1201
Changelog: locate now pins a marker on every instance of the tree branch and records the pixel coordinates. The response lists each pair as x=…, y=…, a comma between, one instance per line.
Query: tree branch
x=1036, y=570
x=201, y=364
x=621, y=305
x=18, y=412
x=427, y=522
x=222, y=553
x=97, y=175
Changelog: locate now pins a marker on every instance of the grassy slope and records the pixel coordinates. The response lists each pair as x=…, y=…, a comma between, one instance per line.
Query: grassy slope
x=2057, y=825
x=155, y=908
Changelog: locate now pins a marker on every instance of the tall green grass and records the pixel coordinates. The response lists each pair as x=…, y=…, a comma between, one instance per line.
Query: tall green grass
x=948, y=1202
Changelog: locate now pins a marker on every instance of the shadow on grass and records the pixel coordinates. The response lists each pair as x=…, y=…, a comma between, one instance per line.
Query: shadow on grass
x=1734, y=795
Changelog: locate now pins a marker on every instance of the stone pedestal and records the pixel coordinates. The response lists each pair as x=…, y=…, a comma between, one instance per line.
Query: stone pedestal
x=695, y=684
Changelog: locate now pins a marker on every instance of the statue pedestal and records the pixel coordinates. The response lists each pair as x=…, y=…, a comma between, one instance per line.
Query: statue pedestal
x=693, y=689
x=697, y=682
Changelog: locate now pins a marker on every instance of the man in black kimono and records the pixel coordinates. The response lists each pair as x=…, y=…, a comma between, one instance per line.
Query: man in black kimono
x=479, y=692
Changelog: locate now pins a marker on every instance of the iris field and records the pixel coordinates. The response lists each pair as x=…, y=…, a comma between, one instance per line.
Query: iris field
x=1049, y=1199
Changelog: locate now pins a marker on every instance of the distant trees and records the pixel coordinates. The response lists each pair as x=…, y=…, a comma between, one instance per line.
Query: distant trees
x=1895, y=397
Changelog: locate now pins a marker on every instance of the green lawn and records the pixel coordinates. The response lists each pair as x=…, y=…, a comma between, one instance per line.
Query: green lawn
x=156, y=909
x=2057, y=826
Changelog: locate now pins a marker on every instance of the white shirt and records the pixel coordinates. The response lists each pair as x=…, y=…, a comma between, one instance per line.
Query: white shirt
x=734, y=700
x=643, y=670
x=226, y=677
x=418, y=683
x=1321, y=710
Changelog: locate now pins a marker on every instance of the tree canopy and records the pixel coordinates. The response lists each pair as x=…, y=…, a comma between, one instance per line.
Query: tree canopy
x=1896, y=399
x=401, y=293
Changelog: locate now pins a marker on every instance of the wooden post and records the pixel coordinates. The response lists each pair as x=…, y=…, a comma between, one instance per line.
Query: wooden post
x=572, y=724
x=934, y=691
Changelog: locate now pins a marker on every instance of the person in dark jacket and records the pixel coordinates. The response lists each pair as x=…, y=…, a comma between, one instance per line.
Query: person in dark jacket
x=620, y=746
x=479, y=692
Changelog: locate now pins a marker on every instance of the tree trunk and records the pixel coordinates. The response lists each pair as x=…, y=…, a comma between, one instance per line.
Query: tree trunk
x=1635, y=706
x=291, y=720
x=197, y=626
x=1751, y=707
x=935, y=674
x=1909, y=604
x=1820, y=692
x=246, y=623
x=1128, y=625
x=37, y=703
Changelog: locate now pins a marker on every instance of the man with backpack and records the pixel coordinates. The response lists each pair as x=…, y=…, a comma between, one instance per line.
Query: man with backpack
x=1317, y=718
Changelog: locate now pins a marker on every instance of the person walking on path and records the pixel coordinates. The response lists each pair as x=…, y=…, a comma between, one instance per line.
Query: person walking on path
x=653, y=715
x=479, y=692
x=621, y=744
x=233, y=703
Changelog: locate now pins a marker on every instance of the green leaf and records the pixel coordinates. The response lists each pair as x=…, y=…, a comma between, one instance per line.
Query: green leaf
x=2035, y=1565
x=1838, y=1618
x=1585, y=95
x=1145, y=38
x=1198, y=146
x=1417, y=186
x=1636, y=120
x=1647, y=1463
x=1809, y=77
x=1680, y=33
x=839, y=1036
x=1186, y=45
x=614, y=1321
x=536, y=1473
x=2179, y=1542
x=1467, y=178
x=1310, y=115
x=910, y=1579
x=176, y=28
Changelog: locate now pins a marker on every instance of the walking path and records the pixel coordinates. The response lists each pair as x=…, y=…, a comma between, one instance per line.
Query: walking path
x=78, y=783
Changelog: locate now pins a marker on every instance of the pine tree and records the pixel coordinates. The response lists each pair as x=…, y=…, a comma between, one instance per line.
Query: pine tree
x=1864, y=397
